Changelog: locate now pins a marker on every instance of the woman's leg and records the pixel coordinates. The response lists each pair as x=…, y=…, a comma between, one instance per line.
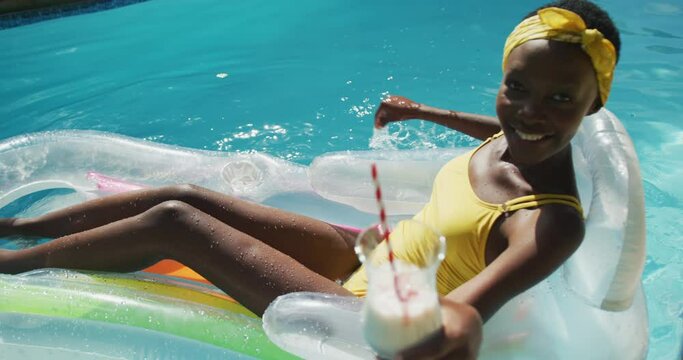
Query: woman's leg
x=90, y=214
x=298, y=236
x=94, y=213
x=244, y=267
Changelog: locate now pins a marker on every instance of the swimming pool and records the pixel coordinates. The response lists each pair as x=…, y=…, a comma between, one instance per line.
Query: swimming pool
x=296, y=82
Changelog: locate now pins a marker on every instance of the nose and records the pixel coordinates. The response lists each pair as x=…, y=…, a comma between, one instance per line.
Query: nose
x=531, y=111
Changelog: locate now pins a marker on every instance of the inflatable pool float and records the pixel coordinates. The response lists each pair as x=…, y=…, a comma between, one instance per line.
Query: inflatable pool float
x=592, y=307
x=66, y=313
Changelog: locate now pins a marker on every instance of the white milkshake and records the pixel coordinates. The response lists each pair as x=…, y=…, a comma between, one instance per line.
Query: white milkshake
x=393, y=323
x=395, y=320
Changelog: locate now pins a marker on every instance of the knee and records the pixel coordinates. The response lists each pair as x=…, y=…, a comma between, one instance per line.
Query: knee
x=169, y=225
x=182, y=192
x=170, y=213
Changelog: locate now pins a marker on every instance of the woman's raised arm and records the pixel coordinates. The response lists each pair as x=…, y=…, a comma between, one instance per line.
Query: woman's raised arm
x=397, y=108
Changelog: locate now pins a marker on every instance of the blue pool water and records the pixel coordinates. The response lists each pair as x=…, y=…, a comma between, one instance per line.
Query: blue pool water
x=299, y=81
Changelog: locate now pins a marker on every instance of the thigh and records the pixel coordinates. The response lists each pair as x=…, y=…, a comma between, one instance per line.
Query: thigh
x=243, y=266
x=322, y=247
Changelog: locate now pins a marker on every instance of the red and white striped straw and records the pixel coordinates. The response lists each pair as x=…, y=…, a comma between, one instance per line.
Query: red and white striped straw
x=382, y=212
x=385, y=229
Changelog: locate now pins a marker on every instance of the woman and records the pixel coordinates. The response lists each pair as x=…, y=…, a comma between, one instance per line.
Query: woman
x=509, y=209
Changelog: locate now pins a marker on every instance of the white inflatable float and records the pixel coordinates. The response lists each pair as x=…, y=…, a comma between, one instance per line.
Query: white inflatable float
x=591, y=308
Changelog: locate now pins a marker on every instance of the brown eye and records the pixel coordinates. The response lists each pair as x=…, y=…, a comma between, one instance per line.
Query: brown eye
x=563, y=98
x=514, y=85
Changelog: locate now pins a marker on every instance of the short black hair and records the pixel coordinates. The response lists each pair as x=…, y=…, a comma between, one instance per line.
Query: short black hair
x=593, y=15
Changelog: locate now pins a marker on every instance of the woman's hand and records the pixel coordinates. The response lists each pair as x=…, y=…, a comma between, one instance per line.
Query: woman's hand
x=395, y=108
x=459, y=338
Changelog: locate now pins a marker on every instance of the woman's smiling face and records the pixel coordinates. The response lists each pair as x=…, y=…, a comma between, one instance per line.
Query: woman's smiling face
x=547, y=89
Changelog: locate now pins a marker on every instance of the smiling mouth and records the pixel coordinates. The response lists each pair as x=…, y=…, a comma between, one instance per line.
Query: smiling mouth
x=531, y=137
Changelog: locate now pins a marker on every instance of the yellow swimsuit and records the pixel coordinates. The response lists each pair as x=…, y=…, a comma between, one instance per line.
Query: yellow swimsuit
x=464, y=219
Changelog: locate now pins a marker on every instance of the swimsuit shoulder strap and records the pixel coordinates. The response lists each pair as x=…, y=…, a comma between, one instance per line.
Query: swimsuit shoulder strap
x=492, y=137
x=529, y=201
x=488, y=140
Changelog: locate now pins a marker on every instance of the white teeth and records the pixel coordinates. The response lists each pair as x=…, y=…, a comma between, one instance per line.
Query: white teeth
x=529, y=137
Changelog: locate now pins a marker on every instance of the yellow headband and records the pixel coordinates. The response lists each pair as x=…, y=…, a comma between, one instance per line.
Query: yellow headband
x=563, y=25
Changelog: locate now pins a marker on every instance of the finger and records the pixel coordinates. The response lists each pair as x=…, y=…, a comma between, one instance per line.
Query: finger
x=380, y=121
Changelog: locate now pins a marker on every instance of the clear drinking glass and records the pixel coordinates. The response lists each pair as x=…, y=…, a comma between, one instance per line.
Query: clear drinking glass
x=401, y=308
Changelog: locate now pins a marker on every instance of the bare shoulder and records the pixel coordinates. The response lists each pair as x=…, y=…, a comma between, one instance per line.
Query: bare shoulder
x=554, y=228
x=561, y=222
x=539, y=240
